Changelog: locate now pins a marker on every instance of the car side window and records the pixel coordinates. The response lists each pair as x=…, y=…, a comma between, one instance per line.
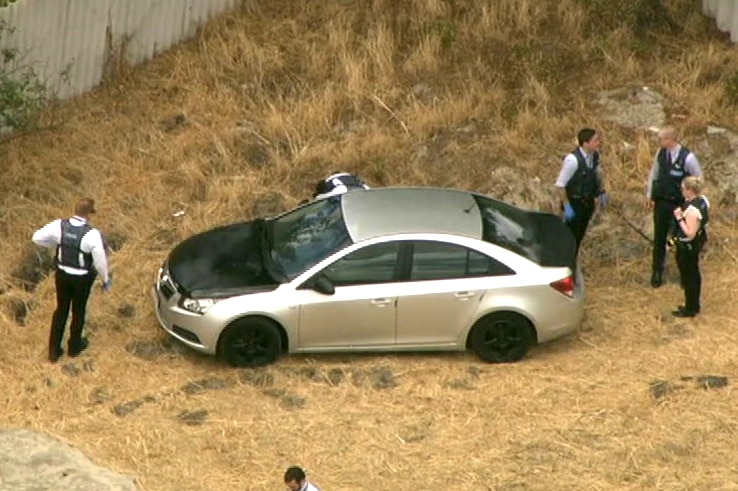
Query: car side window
x=369, y=265
x=441, y=261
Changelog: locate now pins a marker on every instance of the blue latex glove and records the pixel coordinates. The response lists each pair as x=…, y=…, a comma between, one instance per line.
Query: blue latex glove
x=568, y=213
x=107, y=284
x=604, y=199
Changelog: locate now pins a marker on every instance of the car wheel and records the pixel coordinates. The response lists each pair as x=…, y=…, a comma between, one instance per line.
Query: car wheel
x=504, y=337
x=251, y=343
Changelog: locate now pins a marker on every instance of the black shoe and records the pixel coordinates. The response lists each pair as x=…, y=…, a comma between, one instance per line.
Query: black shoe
x=83, y=344
x=657, y=279
x=682, y=308
x=683, y=313
x=55, y=354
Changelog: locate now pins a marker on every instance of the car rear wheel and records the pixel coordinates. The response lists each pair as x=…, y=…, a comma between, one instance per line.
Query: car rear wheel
x=251, y=343
x=503, y=337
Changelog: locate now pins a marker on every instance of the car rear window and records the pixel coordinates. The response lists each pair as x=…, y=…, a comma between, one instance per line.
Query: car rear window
x=509, y=227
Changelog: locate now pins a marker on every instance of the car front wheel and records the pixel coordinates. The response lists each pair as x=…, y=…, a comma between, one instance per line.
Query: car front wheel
x=503, y=337
x=251, y=343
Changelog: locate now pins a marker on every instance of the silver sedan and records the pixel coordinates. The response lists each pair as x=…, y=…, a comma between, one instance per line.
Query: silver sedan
x=386, y=269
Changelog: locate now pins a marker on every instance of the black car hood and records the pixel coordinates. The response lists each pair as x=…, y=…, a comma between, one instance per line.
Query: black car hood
x=224, y=261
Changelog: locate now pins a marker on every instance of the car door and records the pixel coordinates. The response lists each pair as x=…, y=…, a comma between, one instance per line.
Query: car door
x=361, y=312
x=445, y=286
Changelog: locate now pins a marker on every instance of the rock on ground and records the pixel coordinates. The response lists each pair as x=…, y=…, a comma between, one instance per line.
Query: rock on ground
x=633, y=107
x=531, y=193
x=719, y=153
x=31, y=461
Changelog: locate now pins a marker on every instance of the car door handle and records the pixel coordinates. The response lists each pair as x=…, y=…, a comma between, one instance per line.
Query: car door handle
x=463, y=295
x=381, y=302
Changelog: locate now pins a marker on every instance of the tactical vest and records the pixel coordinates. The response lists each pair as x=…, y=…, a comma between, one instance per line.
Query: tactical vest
x=584, y=184
x=69, y=252
x=702, y=204
x=668, y=183
x=350, y=181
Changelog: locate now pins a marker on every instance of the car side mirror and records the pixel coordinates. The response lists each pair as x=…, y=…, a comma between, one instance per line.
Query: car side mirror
x=323, y=285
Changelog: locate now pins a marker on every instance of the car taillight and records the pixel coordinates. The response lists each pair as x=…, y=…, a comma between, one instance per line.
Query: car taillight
x=565, y=286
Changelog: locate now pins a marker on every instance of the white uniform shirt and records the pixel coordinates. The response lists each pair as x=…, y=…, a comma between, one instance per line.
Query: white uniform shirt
x=306, y=486
x=571, y=164
x=49, y=236
x=338, y=186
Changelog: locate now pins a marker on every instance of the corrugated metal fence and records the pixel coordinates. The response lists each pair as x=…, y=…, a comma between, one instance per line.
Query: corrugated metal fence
x=725, y=13
x=70, y=43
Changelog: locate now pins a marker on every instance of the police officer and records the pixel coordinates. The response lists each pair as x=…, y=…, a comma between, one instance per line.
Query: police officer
x=296, y=480
x=80, y=256
x=338, y=183
x=580, y=183
x=691, y=217
x=673, y=162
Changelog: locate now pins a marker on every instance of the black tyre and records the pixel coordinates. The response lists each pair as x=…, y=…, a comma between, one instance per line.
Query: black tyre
x=503, y=337
x=251, y=343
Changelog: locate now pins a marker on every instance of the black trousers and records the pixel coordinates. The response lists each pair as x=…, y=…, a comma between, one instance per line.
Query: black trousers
x=71, y=291
x=664, y=224
x=688, y=260
x=583, y=211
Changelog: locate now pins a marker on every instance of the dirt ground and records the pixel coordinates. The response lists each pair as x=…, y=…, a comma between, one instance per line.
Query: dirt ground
x=475, y=95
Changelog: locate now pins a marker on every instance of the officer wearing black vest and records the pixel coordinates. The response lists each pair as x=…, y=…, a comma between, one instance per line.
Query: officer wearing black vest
x=335, y=184
x=672, y=164
x=80, y=257
x=580, y=183
x=692, y=217
x=338, y=183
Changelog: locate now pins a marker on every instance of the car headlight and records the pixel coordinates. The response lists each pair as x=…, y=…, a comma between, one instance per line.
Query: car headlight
x=197, y=305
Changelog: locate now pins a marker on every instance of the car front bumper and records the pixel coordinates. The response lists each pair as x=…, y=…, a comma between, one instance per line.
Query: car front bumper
x=191, y=329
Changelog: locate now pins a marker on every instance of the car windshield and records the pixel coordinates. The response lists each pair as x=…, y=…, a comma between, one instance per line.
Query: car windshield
x=302, y=238
x=509, y=227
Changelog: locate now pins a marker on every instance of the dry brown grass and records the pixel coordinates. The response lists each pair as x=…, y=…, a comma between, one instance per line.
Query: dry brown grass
x=288, y=91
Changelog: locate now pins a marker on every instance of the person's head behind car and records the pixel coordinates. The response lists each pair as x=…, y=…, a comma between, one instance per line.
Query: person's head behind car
x=338, y=183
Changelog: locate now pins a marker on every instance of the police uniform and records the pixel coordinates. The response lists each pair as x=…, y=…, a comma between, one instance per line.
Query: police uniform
x=80, y=257
x=581, y=176
x=688, y=256
x=670, y=167
x=296, y=476
x=308, y=487
x=338, y=183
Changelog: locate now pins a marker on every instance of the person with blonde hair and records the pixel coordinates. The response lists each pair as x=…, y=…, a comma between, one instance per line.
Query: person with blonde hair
x=672, y=163
x=690, y=237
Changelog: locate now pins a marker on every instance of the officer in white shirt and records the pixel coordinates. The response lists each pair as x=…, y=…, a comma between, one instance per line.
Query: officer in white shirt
x=296, y=480
x=80, y=257
x=672, y=163
x=581, y=183
x=691, y=217
x=338, y=183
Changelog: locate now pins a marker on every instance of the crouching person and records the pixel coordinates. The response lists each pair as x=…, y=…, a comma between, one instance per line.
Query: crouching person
x=338, y=183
